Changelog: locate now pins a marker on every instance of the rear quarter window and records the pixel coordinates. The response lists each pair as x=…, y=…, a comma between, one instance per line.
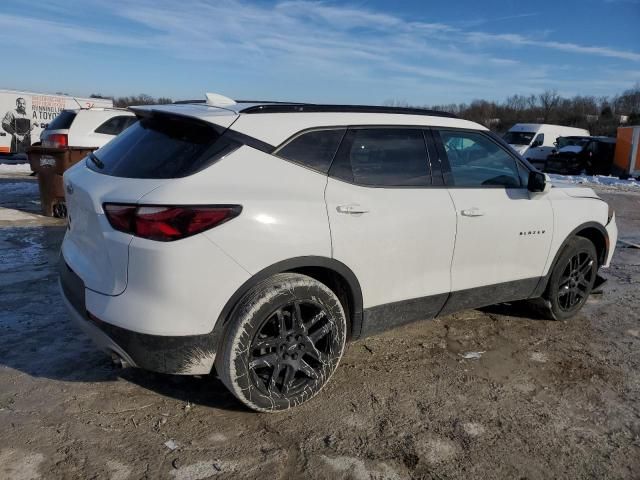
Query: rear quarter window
x=314, y=149
x=161, y=147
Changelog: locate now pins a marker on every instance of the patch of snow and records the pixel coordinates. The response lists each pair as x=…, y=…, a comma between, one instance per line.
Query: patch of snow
x=16, y=168
x=598, y=180
x=11, y=215
x=471, y=355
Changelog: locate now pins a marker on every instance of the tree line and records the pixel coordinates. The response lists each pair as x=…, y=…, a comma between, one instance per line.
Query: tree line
x=127, y=101
x=600, y=115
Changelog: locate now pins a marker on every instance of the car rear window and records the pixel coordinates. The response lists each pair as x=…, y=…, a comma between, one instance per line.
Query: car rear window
x=161, y=147
x=63, y=121
x=115, y=125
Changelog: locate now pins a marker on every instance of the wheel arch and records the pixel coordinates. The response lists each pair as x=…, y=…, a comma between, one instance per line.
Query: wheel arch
x=333, y=273
x=592, y=231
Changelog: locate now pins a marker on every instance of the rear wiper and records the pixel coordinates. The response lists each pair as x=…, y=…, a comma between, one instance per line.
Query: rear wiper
x=96, y=160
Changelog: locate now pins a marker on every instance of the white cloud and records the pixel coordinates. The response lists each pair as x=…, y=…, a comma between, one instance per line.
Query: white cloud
x=321, y=41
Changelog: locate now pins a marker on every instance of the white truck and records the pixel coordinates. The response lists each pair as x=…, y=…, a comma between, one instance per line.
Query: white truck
x=535, y=141
x=23, y=116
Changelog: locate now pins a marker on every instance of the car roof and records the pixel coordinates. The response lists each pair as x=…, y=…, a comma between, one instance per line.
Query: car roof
x=274, y=122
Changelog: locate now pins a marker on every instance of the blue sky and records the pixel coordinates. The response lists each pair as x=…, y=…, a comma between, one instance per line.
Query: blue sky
x=365, y=51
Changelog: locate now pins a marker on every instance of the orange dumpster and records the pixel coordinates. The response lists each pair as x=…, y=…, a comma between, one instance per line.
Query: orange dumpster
x=627, y=159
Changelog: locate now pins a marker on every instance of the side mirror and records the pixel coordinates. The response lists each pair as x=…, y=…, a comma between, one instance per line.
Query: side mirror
x=538, y=182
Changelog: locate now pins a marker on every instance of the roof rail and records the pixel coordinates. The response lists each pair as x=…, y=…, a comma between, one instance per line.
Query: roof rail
x=306, y=107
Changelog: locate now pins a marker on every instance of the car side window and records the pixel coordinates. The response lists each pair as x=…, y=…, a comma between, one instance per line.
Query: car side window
x=115, y=125
x=477, y=161
x=314, y=149
x=539, y=140
x=384, y=157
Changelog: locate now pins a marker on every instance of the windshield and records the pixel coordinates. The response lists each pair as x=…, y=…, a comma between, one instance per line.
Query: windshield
x=519, y=138
x=573, y=141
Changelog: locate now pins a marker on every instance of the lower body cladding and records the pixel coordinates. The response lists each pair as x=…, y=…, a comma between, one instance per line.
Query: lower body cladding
x=185, y=354
x=174, y=354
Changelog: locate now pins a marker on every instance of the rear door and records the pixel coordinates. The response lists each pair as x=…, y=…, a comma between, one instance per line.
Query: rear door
x=503, y=232
x=390, y=224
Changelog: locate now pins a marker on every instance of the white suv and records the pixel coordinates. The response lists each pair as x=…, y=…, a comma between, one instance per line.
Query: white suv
x=86, y=127
x=257, y=238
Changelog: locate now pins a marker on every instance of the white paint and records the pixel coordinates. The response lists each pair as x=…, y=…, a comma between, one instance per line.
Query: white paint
x=506, y=243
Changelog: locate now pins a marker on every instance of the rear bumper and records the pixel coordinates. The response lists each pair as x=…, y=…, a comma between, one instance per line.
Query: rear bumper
x=182, y=355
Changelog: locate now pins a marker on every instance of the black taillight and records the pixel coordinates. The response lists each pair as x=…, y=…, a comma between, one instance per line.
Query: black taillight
x=167, y=223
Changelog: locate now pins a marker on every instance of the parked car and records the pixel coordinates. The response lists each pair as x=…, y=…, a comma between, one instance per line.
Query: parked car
x=23, y=116
x=576, y=155
x=535, y=141
x=255, y=239
x=86, y=127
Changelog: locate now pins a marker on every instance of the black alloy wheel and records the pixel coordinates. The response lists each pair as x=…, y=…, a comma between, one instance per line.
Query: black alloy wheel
x=283, y=342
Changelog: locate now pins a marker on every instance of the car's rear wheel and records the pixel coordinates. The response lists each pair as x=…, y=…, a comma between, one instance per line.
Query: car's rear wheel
x=572, y=278
x=283, y=343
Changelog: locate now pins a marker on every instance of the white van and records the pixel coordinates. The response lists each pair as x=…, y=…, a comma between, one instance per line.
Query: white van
x=535, y=141
x=23, y=116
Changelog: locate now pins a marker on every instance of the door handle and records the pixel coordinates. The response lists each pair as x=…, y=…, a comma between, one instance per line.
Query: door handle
x=352, y=209
x=472, y=212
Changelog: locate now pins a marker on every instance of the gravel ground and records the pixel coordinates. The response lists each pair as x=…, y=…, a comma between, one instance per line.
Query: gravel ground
x=545, y=399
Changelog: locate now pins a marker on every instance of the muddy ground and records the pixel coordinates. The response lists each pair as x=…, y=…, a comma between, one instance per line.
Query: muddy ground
x=545, y=400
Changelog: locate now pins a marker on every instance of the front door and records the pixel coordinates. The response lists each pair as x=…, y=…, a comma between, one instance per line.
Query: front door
x=503, y=231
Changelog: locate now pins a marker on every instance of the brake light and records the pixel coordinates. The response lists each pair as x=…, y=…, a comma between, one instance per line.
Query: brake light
x=56, y=140
x=167, y=223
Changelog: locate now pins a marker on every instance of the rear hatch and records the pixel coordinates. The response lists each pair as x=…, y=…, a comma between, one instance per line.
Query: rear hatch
x=162, y=146
x=56, y=135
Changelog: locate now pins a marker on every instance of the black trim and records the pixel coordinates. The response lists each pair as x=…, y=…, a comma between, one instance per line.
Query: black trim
x=390, y=315
x=294, y=264
x=72, y=285
x=306, y=107
x=478, y=297
x=249, y=141
x=542, y=285
x=159, y=353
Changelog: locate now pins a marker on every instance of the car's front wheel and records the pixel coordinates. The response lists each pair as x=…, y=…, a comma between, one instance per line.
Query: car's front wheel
x=572, y=278
x=284, y=341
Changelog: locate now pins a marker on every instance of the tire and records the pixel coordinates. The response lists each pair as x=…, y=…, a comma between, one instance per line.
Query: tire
x=572, y=279
x=269, y=359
